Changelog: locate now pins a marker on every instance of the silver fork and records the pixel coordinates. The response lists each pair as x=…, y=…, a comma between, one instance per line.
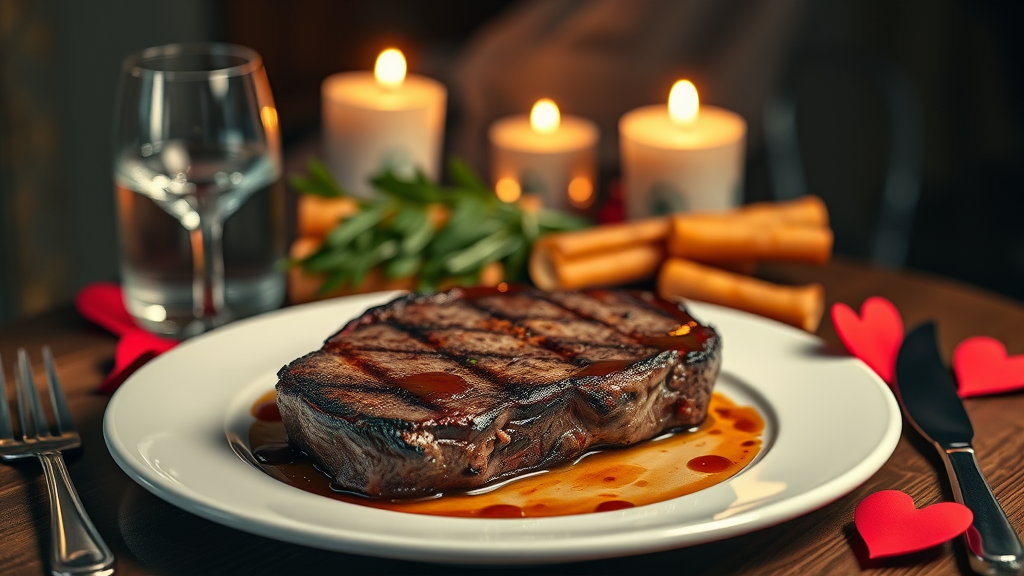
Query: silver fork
x=76, y=548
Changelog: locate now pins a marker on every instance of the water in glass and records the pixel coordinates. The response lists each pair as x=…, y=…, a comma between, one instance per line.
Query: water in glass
x=157, y=209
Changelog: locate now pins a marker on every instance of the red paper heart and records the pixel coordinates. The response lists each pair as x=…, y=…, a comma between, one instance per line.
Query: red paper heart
x=102, y=303
x=874, y=337
x=891, y=526
x=982, y=367
x=135, y=348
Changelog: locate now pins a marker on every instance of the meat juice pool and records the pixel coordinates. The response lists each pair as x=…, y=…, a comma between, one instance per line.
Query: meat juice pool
x=156, y=247
x=657, y=470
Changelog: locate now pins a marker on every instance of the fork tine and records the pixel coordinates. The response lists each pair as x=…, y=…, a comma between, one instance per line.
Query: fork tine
x=39, y=427
x=6, y=431
x=60, y=404
x=28, y=426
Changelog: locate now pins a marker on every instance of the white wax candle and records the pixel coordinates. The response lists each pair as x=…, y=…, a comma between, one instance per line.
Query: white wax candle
x=672, y=165
x=557, y=161
x=371, y=123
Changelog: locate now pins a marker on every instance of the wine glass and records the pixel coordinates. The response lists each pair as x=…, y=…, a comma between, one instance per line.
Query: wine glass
x=196, y=137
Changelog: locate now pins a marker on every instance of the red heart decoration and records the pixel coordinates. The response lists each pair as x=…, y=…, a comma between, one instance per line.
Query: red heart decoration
x=103, y=304
x=874, y=337
x=891, y=526
x=134, y=349
x=982, y=367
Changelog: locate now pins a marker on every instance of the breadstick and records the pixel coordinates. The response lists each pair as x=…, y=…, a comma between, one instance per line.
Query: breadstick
x=799, y=306
x=609, y=237
x=747, y=267
x=804, y=211
x=550, y=270
x=716, y=238
x=318, y=215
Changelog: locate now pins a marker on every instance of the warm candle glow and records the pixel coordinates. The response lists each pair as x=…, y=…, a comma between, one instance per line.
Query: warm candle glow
x=683, y=103
x=544, y=117
x=508, y=190
x=390, y=68
x=581, y=191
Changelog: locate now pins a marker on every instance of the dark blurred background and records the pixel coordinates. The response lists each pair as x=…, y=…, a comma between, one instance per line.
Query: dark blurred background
x=906, y=112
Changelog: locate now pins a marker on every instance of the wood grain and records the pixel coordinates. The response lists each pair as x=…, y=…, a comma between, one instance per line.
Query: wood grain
x=149, y=536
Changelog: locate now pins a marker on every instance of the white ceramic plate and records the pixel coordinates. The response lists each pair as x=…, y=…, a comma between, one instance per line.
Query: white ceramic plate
x=830, y=424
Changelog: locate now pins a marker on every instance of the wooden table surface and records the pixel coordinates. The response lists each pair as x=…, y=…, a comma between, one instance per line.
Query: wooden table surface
x=150, y=536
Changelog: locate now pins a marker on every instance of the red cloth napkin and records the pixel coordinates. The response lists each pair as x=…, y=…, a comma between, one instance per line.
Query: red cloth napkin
x=102, y=303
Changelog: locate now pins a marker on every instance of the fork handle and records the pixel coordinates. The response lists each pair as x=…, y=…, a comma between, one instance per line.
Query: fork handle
x=76, y=548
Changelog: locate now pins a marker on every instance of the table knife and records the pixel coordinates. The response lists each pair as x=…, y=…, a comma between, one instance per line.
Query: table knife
x=927, y=393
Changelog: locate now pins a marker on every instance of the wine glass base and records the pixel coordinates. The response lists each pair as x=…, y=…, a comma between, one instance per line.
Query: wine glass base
x=201, y=325
x=166, y=309
x=183, y=327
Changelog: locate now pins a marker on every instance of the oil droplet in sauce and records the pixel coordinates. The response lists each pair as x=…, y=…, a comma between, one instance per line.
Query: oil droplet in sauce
x=710, y=464
x=502, y=511
x=606, y=480
x=747, y=425
x=613, y=505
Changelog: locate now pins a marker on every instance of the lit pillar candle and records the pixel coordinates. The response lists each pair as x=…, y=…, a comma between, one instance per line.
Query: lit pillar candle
x=546, y=154
x=382, y=119
x=683, y=156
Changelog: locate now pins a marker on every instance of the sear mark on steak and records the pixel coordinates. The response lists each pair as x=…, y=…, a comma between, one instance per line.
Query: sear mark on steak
x=450, y=391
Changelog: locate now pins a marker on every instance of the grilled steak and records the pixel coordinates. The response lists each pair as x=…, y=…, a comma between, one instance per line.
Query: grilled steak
x=431, y=393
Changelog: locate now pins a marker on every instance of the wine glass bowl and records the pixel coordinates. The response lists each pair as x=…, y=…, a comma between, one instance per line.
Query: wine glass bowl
x=197, y=172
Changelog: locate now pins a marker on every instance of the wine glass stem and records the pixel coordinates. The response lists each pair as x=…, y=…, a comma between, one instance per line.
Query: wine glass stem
x=208, y=270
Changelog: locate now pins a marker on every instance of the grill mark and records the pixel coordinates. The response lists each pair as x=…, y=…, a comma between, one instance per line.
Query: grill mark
x=473, y=367
x=544, y=341
x=635, y=296
x=459, y=359
x=442, y=356
x=634, y=337
x=650, y=307
x=438, y=353
x=388, y=388
x=439, y=327
x=521, y=333
x=393, y=391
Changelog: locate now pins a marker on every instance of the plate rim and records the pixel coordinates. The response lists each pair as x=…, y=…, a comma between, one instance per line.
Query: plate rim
x=642, y=540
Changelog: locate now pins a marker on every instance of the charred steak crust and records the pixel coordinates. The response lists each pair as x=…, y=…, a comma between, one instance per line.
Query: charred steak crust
x=440, y=392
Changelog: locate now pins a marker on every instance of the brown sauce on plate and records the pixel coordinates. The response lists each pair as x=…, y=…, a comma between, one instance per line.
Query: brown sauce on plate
x=602, y=481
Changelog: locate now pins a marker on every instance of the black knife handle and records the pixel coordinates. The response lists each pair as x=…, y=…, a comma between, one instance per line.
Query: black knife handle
x=992, y=545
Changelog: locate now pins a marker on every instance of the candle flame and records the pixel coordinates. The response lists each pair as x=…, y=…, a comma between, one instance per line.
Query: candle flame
x=544, y=117
x=390, y=68
x=581, y=191
x=508, y=190
x=683, y=103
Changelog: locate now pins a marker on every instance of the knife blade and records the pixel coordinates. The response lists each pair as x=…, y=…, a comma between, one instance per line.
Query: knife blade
x=927, y=394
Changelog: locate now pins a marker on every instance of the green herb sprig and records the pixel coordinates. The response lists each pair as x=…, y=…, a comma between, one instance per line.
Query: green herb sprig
x=395, y=232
